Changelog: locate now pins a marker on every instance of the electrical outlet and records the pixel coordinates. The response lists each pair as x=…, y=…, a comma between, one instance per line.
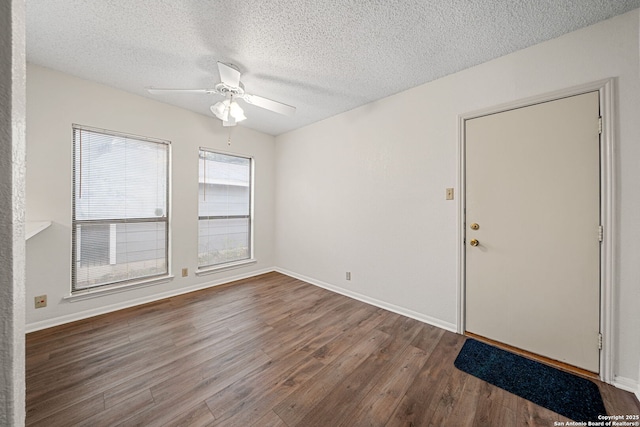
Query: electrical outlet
x=348, y=275
x=41, y=301
x=449, y=194
x=185, y=272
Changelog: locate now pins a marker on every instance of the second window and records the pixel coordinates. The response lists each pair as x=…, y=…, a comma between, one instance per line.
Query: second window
x=224, y=208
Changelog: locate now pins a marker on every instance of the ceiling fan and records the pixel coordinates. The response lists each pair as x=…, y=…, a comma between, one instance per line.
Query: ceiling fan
x=232, y=89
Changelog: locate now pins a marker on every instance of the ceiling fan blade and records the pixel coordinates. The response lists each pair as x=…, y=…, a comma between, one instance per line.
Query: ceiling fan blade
x=228, y=75
x=159, y=91
x=269, y=104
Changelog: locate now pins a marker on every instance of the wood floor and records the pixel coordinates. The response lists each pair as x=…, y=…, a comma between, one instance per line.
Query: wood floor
x=265, y=351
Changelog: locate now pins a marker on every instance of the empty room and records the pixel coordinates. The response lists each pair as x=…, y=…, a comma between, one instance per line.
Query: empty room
x=286, y=213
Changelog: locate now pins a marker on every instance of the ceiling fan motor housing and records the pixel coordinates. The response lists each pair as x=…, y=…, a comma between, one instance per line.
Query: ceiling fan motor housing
x=225, y=90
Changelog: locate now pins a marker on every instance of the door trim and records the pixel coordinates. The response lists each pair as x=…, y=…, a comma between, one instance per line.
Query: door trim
x=608, y=269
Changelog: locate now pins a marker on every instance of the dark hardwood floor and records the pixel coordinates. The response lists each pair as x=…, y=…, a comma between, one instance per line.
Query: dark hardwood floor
x=265, y=351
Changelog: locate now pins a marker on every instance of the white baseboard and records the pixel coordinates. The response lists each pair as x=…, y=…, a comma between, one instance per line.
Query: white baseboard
x=372, y=301
x=627, y=384
x=44, y=324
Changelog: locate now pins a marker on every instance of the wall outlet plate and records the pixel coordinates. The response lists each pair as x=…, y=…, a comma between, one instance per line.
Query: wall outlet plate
x=449, y=194
x=185, y=272
x=41, y=301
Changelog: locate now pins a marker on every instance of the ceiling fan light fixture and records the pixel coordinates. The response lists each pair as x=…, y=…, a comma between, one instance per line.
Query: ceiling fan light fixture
x=219, y=109
x=226, y=108
x=236, y=112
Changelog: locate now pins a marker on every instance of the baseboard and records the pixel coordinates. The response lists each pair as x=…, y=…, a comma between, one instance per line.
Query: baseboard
x=44, y=324
x=372, y=301
x=627, y=384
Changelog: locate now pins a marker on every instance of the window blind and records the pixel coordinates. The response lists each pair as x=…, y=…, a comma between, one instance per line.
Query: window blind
x=120, y=208
x=224, y=208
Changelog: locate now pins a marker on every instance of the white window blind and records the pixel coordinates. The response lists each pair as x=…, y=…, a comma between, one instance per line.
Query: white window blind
x=120, y=208
x=224, y=209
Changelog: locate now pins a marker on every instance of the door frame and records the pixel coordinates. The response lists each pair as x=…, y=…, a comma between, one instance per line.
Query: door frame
x=608, y=270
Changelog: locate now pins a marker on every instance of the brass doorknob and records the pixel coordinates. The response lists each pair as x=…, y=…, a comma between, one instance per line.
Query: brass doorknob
x=474, y=242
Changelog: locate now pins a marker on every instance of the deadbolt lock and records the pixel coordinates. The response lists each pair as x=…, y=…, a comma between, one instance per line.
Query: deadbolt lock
x=474, y=242
x=475, y=226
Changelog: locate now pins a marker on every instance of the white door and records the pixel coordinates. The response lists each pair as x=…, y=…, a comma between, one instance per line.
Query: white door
x=533, y=189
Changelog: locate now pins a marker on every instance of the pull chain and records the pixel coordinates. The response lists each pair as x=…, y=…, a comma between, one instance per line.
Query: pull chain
x=229, y=138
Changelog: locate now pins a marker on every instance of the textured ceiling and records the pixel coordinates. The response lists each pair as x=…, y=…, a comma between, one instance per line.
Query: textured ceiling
x=322, y=56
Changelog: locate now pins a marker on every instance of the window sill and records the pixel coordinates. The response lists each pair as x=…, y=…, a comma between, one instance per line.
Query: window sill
x=95, y=293
x=210, y=270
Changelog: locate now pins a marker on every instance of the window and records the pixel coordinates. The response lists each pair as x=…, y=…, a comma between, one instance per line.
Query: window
x=120, y=230
x=224, y=209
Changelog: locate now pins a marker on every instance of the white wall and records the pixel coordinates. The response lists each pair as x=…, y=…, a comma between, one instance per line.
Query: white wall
x=364, y=191
x=12, y=184
x=54, y=102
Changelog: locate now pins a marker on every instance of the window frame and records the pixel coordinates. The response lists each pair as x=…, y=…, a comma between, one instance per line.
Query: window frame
x=210, y=268
x=77, y=242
